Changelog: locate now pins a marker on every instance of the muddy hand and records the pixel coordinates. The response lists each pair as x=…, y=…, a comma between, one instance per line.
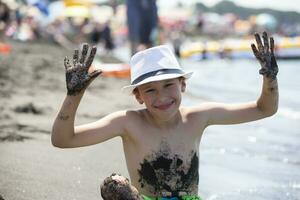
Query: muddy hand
x=77, y=75
x=265, y=55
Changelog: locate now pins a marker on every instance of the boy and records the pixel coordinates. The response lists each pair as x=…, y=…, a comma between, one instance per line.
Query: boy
x=161, y=142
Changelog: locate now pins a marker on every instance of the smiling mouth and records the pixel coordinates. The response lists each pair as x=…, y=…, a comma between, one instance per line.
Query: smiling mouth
x=164, y=106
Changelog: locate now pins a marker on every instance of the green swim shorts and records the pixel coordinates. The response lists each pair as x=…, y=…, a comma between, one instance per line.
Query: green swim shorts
x=185, y=197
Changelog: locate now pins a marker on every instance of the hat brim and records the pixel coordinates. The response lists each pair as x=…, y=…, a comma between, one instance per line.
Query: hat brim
x=129, y=89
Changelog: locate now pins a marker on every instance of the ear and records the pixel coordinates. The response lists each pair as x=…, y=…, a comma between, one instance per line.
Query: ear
x=183, y=84
x=138, y=96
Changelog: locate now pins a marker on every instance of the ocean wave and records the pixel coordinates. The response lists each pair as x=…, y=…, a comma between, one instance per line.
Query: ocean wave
x=289, y=113
x=287, y=191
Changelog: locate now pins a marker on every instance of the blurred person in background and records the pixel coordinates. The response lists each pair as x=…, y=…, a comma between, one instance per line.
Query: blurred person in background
x=107, y=37
x=56, y=33
x=101, y=33
x=4, y=17
x=95, y=35
x=142, y=20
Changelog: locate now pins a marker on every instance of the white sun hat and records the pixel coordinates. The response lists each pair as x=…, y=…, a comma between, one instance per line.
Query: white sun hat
x=154, y=64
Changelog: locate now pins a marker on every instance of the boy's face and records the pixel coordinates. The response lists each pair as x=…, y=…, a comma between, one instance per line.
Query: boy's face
x=161, y=98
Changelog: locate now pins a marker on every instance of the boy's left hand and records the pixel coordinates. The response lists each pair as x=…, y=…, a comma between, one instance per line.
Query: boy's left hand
x=265, y=55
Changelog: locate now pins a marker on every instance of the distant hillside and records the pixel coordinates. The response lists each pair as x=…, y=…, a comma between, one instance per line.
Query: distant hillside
x=243, y=12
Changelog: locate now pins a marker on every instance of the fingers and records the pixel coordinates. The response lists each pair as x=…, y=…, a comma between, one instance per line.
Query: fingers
x=274, y=64
x=259, y=43
x=272, y=45
x=266, y=42
x=94, y=74
x=273, y=59
x=85, y=49
x=263, y=71
x=266, y=46
x=75, y=56
x=255, y=52
x=90, y=77
x=91, y=57
x=81, y=64
x=67, y=63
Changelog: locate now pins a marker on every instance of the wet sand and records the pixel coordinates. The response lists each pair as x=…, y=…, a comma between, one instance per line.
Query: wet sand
x=32, y=83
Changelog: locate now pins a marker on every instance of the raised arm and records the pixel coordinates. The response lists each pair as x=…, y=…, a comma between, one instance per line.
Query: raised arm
x=77, y=80
x=267, y=103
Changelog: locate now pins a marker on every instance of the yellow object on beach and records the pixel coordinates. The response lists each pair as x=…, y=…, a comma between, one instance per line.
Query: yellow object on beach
x=77, y=8
x=234, y=45
x=69, y=3
x=77, y=11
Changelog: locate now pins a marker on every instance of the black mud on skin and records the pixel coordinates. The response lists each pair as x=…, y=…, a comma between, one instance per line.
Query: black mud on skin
x=264, y=53
x=77, y=76
x=163, y=171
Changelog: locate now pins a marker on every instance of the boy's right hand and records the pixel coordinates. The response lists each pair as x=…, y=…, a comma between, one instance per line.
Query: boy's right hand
x=77, y=76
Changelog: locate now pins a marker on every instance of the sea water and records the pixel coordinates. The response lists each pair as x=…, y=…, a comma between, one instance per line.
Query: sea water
x=258, y=160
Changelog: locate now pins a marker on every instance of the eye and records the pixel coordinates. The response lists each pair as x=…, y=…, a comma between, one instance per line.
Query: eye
x=149, y=90
x=169, y=84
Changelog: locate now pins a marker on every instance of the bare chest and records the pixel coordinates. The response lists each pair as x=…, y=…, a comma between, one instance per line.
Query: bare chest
x=169, y=169
x=164, y=161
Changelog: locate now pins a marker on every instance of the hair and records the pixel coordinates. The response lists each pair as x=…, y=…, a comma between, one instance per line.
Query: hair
x=134, y=91
x=115, y=190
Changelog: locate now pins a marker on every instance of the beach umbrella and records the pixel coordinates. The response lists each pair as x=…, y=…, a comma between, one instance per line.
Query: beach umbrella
x=42, y=6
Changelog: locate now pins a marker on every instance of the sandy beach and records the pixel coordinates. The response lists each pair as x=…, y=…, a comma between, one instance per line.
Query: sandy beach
x=32, y=84
x=257, y=160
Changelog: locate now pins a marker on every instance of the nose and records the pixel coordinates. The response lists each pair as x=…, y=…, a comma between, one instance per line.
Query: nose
x=160, y=94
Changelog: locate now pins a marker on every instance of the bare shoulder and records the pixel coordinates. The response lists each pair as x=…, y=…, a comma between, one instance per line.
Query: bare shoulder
x=201, y=113
x=134, y=116
x=124, y=115
x=198, y=110
x=196, y=115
